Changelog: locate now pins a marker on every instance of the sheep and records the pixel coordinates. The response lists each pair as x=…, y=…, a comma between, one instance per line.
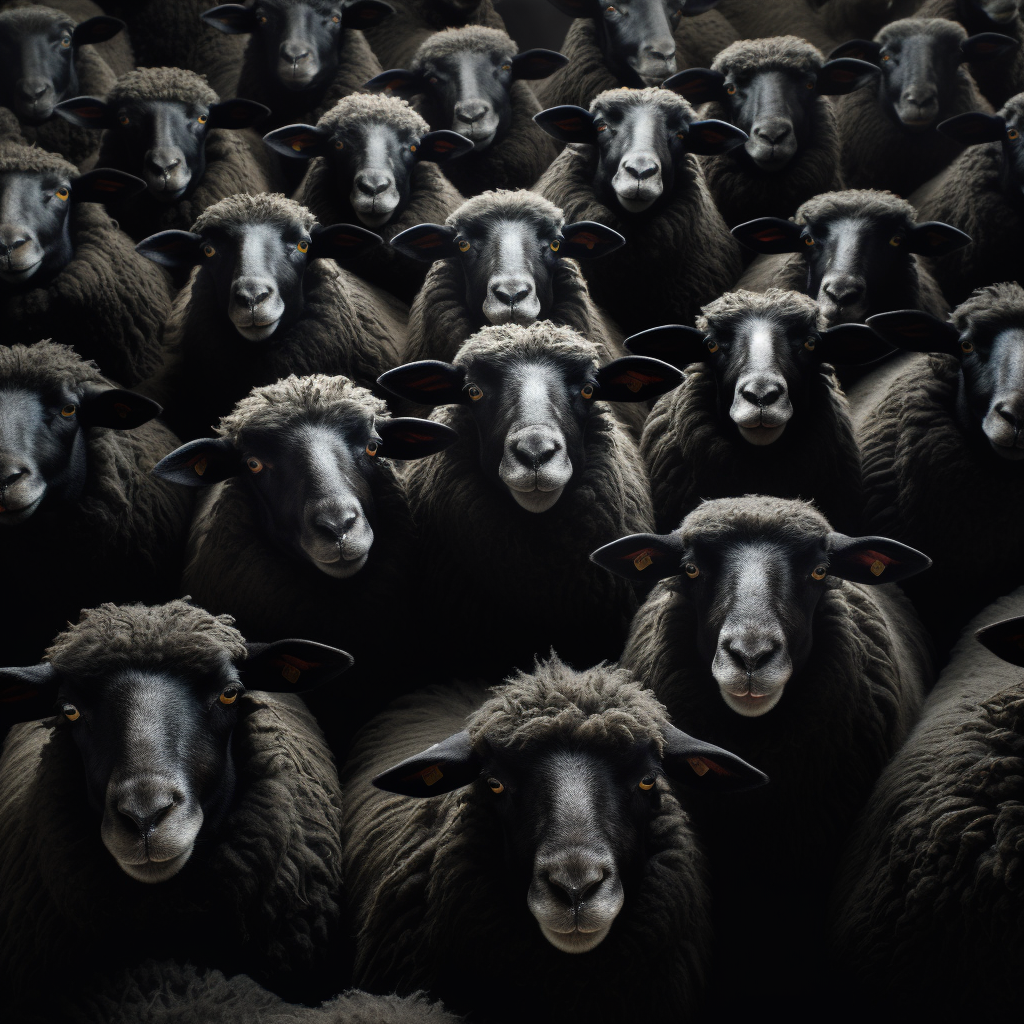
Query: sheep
x=766, y=634
x=561, y=801
x=221, y=825
x=308, y=530
x=754, y=19
x=474, y=82
x=758, y=413
x=1001, y=77
x=979, y=192
x=942, y=447
x=862, y=19
x=68, y=272
x=540, y=471
x=373, y=158
x=169, y=128
x=661, y=213
x=79, y=513
x=264, y=304
x=775, y=90
x=632, y=43
x=37, y=74
x=927, y=910
x=889, y=133
x=857, y=252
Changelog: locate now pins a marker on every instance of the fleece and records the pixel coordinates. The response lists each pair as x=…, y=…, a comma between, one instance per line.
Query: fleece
x=754, y=19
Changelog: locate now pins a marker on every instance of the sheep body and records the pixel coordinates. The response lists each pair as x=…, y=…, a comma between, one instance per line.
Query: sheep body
x=753, y=19
x=861, y=19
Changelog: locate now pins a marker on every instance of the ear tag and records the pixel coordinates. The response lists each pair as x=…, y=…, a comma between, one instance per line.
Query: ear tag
x=430, y=241
x=292, y=667
x=697, y=765
x=635, y=381
x=122, y=410
x=428, y=775
x=106, y=185
x=643, y=559
x=435, y=382
x=877, y=568
x=199, y=465
x=569, y=124
x=587, y=238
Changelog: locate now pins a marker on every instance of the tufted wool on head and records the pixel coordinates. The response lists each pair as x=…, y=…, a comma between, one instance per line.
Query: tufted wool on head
x=266, y=208
x=856, y=202
x=650, y=96
x=989, y=310
x=935, y=28
x=510, y=342
x=472, y=39
x=751, y=517
x=46, y=365
x=163, y=84
x=518, y=204
x=774, y=304
x=777, y=53
x=18, y=155
x=30, y=16
x=373, y=108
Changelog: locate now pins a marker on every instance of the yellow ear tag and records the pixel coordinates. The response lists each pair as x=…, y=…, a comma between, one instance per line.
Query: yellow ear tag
x=431, y=775
x=200, y=467
x=643, y=560
x=877, y=568
x=290, y=673
x=697, y=765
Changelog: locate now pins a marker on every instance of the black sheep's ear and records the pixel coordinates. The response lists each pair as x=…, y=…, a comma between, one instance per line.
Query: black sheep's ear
x=844, y=75
x=691, y=8
x=174, y=249
x=706, y=767
x=712, y=138
x=673, y=344
x=236, y=114
x=986, y=46
x=697, y=85
x=292, y=666
x=443, y=145
x=299, y=141
x=642, y=557
x=769, y=236
x=873, y=560
x=105, y=185
x=588, y=240
x=426, y=242
x=636, y=379
x=341, y=242
x=446, y=766
x=575, y=8
x=233, y=19
x=364, y=13
x=933, y=238
x=86, y=112
x=915, y=331
x=531, y=65
x=408, y=437
x=200, y=463
x=850, y=345
x=568, y=124
x=396, y=82
x=116, y=409
x=971, y=128
x=96, y=30
x=859, y=49
x=24, y=677
x=427, y=382
x=1005, y=639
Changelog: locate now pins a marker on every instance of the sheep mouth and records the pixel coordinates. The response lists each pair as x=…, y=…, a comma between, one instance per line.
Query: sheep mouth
x=35, y=114
x=296, y=78
x=652, y=72
x=374, y=211
x=161, y=190
x=255, y=329
x=577, y=940
x=481, y=134
x=750, y=704
x=15, y=275
x=536, y=499
x=342, y=565
x=916, y=120
x=153, y=870
x=762, y=433
x=14, y=516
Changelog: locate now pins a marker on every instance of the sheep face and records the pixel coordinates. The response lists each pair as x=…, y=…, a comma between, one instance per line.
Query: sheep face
x=752, y=571
x=38, y=46
x=1006, y=127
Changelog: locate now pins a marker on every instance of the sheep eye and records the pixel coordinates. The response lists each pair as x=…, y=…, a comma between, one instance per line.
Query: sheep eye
x=62, y=194
x=254, y=464
x=412, y=148
x=556, y=244
x=885, y=56
x=65, y=41
x=474, y=392
x=262, y=19
x=209, y=250
x=609, y=10
x=809, y=344
x=372, y=447
x=601, y=127
x=303, y=247
x=229, y=696
x=1012, y=133
x=203, y=118
x=71, y=713
x=809, y=85
x=691, y=570
x=587, y=391
x=712, y=345
x=819, y=572
x=463, y=246
x=124, y=119
x=432, y=79
x=496, y=786
x=966, y=346
x=808, y=240
x=647, y=782
x=335, y=19
x=731, y=89
x=69, y=410
x=506, y=67
x=895, y=241
x=339, y=144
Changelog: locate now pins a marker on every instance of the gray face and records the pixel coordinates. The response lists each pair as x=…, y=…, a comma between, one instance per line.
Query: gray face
x=774, y=109
x=378, y=159
x=37, y=63
x=994, y=389
x=919, y=74
x=35, y=232
x=636, y=37
x=301, y=43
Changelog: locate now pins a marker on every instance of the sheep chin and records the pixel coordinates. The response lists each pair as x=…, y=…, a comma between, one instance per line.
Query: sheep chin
x=343, y=568
x=154, y=872
x=16, y=516
x=536, y=500
x=762, y=435
x=1008, y=452
x=257, y=332
x=636, y=205
x=574, y=941
x=752, y=707
x=18, y=276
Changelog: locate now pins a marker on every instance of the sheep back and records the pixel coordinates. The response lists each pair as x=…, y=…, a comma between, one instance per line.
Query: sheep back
x=754, y=19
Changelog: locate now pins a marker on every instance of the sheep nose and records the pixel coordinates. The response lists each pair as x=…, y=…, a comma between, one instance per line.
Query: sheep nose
x=335, y=523
x=921, y=98
x=641, y=168
x=249, y=294
x=146, y=809
x=750, y=653
x=534, y=448
x=511, y=292
x=762, y=394
x=470, y=111
x=1011, y=412
x=162, y=163
x=772, y=132
x=11, y=239
x=294, y=52
x=12, y=470
x=32, y=88
x=665, y=53
x=572, y=879
x=844, y=291
x=373, y=184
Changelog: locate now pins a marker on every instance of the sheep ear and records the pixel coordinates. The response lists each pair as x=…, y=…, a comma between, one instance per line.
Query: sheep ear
x=851, y=345
x=292, y=666
x=301, y=141
x=636, y=379
x=237, y=114
x=116, y=409
x=96, y=30
x=839, y=77
x=86, y=112
x=697, y=85
x=691, y=8
x=341, y=242
x=199, y=463
x=873, y=560
x=642, y=557
x=427, y=382
x=1004, y=639
x=234, y=19
x=175, y=249
x=712, y=138
x=859, y=49
x=588, y=240
x=933, y=238
x=533, y=64
x=426, y=242
x=706, y=767
x=674, y=344
x=986, y=46
x=365, y=13
x=769, y=235
x=568, y=124
x=442, y=768
x=575, y=8
x=410, y=438
x=914, y=331
x=971, y=128
x=105, y=185
x=443, y=145
x=23, y=682
x=397, y=82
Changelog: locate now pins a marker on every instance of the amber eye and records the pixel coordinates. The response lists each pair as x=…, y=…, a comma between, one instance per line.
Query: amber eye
x=609, y=10
x=602, y=127
x=885, y=56
x=966, y=347
x=587, y=391
x=647, y=782
x=254, y=464
x=809, y=344
x=124, y=119
x=69, y=410
x=731, y=89
x=203, y=118
x=262, y=19
x=556, y=244
x=808, y=240
x=65, y=41
x=412, y=149
x=71, y=713
x=475, y=393
x=229, y=696
x=506, y=67
x=712, y=345
x=819, y=572
x=62, y=194
x=463, y=246
x=432, y=79
x=209, y=250
x=339, y=144
x=1012, y=133
x=303, y=246
x=496, y=786
x=691, y=570
x=335, y=19
x=809, y=85
x=372, y=447
x=895, y=241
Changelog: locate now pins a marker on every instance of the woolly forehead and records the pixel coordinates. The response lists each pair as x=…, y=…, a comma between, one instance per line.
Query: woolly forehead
x=34, y=19
x=619, y=102
x=30, y=159
x=322, y=7
x=990, y=310
x=373, y=109
x=754, y=518
x=168, y=84
x=46, y=367
x=240, y=211
x=442, y=46
x=749, y=57
x=737, y=312
x=504, y=349
x=866, y=205
x=946, y=34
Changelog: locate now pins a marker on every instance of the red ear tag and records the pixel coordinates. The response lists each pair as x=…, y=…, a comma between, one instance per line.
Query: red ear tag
x=701, y=765
x=292, y=667
x=428, y=775
x=435, y=382
x=587, y=238
x=444, y=146
x=570, y=124
x=635, y=381
x=875, y=561
x=429, y=241
x=409, y=436
x=106, y=185
x=770, y=235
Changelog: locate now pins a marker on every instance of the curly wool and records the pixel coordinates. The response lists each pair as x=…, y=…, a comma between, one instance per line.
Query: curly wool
x=175, y=84
x=472, y=39
x=373, y=108
x=266, y=208
x=754, y=20
x=18, y=154
x=775, y=304
x=776, y=53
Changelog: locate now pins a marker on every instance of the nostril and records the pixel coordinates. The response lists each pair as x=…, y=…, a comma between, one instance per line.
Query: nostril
x=1010, y=416
x=14, y=473
x=146, y=819
x=662, y=54
x=750, y=657
x=572, y=888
